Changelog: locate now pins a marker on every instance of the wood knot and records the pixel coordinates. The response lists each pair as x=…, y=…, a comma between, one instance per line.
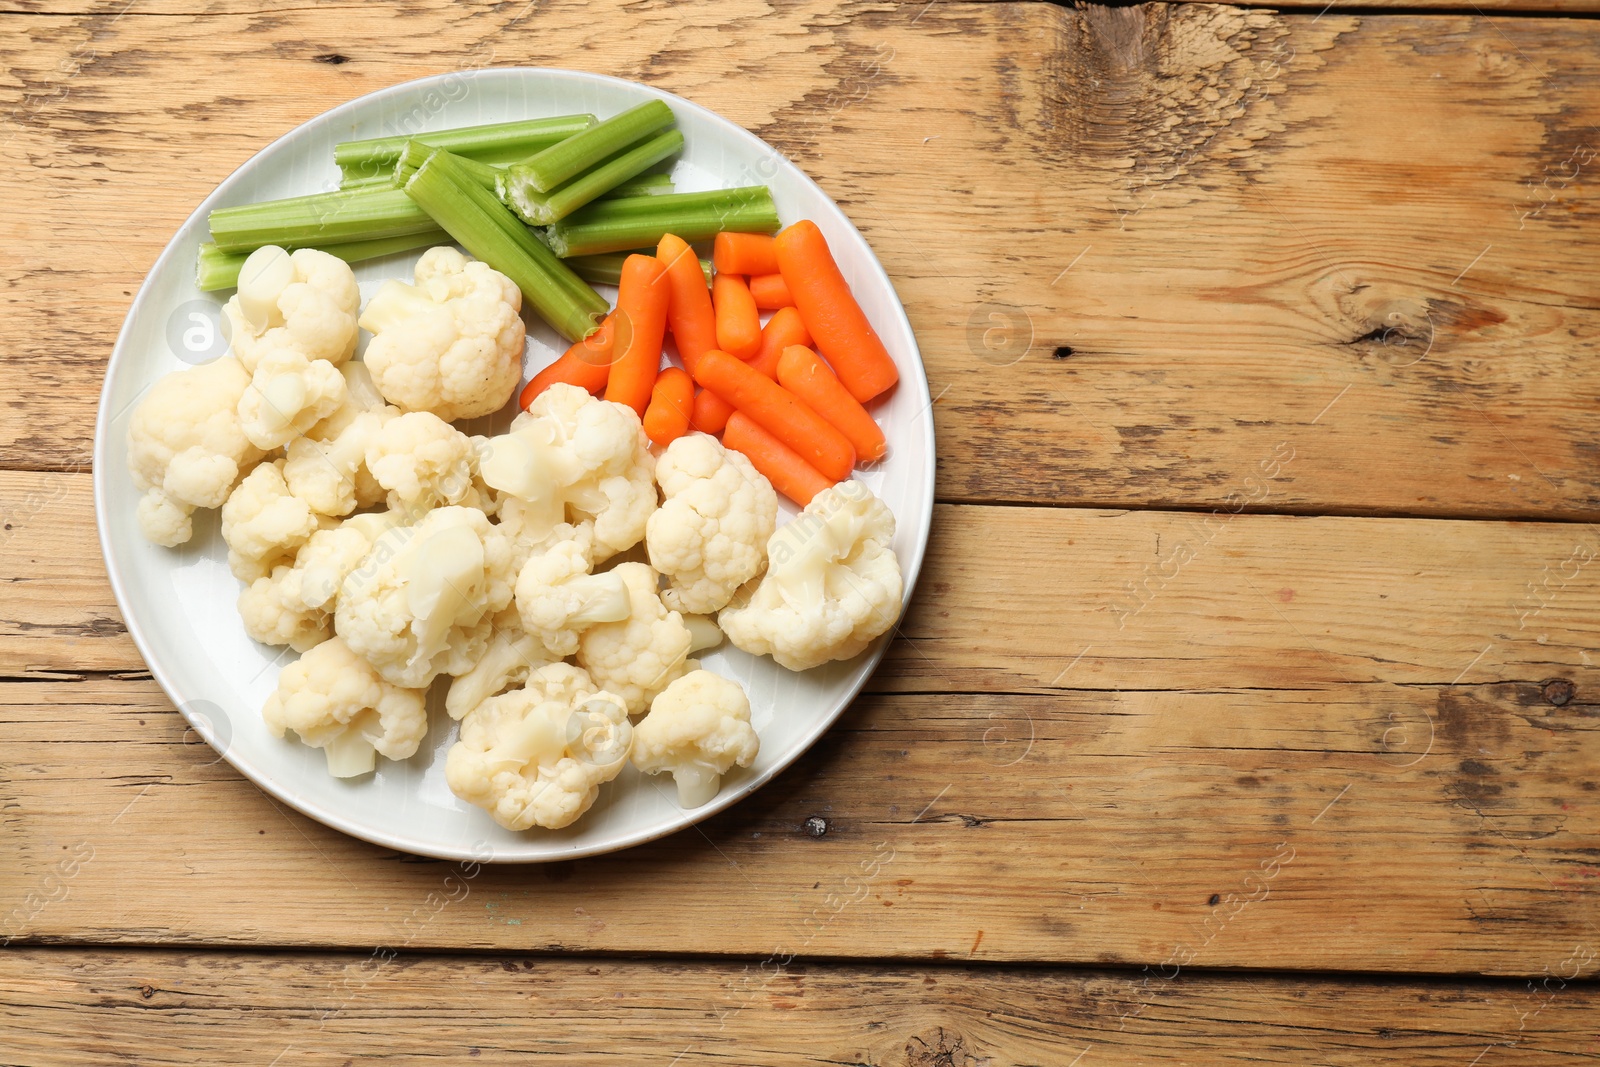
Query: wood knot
x=1558, y=691
x=939, y=1048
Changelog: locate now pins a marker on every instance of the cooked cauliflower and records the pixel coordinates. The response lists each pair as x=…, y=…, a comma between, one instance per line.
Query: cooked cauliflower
x=294, y=605
x=336, y=702
x=422, y=461
x=537, y=756
x=422, y=602
x=832, y=583
x=289, y=393
x=641, y=655
x=306, y=300
x=263, y=523
x=187, y=448
x=327, y=468
x=275, y=612
x=452, y=343
x=558, y=598
x=511, y=655
x=698, y=728
x=573, y=461
x=710, y=534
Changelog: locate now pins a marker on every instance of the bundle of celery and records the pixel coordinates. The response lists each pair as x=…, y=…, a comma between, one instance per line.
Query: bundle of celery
x=588, y=184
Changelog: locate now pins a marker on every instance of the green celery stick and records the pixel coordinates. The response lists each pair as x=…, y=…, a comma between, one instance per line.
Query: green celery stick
x=640, y=221
x=566, y=159
x=317, y=220
x=486, y=228
x=541, y=209
x=499, y=142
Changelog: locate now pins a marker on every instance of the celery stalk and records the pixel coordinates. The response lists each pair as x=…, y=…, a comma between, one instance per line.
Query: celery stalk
x=640, y=221
x=567, y=159
x=499, y=142
x=417, y=152
x=606, y=268
x=516, y=184
x=317, y=220
x=485, y=227
x=216, y=269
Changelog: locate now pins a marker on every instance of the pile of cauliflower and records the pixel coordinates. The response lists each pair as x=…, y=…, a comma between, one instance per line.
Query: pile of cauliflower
x=391, y=549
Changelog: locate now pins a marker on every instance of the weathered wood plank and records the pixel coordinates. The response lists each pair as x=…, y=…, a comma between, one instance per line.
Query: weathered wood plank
x=1375, y=827
x=1038, y=597
x=1275, y=214
x=76, y=1007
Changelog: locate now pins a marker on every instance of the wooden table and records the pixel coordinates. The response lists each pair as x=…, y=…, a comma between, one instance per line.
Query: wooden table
x=1249, y=707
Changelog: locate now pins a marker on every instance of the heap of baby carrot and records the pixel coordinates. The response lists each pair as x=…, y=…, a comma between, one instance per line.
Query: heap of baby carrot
x=789, y=395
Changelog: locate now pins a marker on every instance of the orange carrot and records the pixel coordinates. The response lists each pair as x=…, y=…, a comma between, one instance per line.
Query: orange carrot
x=770, y=292
x=642, y=297
x=843, y=335
x=744, y=253
x=710, y=412
x=781, y=331
x=586, y=364
x=689, y=313
x=671, y=402
x=779, y=412
x=738, y=321
x=807, y=377
x=788, y=473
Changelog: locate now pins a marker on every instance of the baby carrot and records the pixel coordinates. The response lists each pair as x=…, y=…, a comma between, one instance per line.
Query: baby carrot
x=671, y=401
x=843, y=335
x=781, y=331
x=807, y=377
x=738, y=321
x=587, y=364
x=710, y=412
x=779, y=412
x=689, y=313
x=744, y=253
x=788, y=473
x=770, y=292
x=642, y=297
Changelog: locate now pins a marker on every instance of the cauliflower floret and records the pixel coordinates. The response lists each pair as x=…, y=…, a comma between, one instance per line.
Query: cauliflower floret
x=331, y=474
x=698, y=728
x=537, y=756
x=289, y=393
x=641, y=655
x=327, y=468
x=452, y=343
x=263, y=523
x=186, y=447
x=422, y=461
x=307, y=301
x=832, y=583
x=511, y=655
x=336, y=702
x=558, y=598
x=710, y=534
x=572, y=461
x=294, y=605
x=275, y=613
x=422, y=602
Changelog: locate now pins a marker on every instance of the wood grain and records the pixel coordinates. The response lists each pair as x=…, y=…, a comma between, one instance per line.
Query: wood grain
x=1015, y=598
x=72, y=1008
x=1373, y=828
x=1365, y=235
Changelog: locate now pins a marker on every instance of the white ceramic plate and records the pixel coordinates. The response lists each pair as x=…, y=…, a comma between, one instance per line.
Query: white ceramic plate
x=179, y=603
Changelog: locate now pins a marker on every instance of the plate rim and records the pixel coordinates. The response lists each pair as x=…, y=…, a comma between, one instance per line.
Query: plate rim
x=473, y=852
